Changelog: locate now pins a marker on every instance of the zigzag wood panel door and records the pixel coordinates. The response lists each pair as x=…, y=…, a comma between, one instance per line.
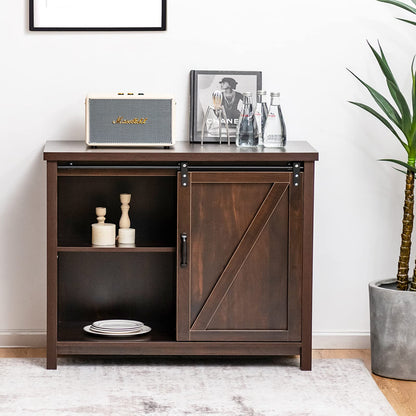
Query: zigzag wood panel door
x=242, y=277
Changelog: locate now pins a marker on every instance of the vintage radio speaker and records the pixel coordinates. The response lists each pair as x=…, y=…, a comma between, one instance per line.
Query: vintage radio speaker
x=129, y=120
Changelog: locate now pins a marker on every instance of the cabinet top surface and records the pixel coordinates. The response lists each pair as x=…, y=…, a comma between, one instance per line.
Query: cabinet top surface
x=181, y=151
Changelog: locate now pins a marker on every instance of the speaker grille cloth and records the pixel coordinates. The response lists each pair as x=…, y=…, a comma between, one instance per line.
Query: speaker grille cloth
x=157, y=129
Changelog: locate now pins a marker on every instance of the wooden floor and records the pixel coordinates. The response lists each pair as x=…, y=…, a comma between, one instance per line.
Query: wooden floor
x=401, y=394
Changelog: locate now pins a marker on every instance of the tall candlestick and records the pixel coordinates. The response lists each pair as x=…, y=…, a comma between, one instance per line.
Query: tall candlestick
x=125, y=201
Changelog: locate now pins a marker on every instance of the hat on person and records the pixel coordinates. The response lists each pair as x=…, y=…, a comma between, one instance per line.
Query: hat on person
x=233, y=83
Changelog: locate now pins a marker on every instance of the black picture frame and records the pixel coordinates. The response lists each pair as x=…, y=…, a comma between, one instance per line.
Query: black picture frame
x=203, y=83
x=35, y=26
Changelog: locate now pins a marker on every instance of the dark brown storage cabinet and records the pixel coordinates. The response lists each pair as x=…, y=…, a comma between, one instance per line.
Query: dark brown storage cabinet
x=223, y=256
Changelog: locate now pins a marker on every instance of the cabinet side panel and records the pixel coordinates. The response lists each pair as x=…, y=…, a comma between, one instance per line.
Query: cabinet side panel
x=306, y=350
x=52, y=264
x=295, y=265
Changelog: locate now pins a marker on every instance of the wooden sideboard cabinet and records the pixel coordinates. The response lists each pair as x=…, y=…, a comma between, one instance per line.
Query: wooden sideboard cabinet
x=222, y=263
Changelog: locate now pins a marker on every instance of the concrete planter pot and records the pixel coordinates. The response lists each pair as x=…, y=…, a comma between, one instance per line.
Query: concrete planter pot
x=393, y=330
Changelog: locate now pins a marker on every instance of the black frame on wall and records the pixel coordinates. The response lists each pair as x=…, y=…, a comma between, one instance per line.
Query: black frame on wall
x=34, y=27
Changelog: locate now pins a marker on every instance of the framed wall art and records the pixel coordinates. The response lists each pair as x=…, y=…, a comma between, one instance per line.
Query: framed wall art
x=85, y=15
x=232, y=85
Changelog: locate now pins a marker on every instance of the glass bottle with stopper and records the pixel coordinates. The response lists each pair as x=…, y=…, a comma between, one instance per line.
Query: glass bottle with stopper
x=261, y=113
x=275, y=128
x=103, y=234
x=247, y=131
x=126, y=235
x=214, y=120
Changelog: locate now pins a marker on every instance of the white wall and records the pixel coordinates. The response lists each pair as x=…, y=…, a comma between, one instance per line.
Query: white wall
x=302, y=48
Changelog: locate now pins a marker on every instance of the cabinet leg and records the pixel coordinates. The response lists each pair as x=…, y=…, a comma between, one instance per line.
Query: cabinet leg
x=51, y=362
x=306, y=359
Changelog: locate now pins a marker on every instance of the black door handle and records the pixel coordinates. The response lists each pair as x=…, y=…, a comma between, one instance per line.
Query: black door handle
x=184, y=250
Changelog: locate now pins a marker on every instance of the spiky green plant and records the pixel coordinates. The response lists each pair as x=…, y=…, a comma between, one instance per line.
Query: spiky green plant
x=400, y=119
x=402, y=6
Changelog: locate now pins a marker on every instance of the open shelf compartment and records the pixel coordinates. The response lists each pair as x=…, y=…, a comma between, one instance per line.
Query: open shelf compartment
x=152, y=208
x=131, y=285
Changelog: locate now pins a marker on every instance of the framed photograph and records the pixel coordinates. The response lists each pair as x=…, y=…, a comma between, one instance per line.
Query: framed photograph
x=232, y=85
x=97, y=15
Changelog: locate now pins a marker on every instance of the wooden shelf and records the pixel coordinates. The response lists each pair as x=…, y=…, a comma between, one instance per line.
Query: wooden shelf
x=73, y=332
x=72, y=340
x=170, y=347
x=90, y=249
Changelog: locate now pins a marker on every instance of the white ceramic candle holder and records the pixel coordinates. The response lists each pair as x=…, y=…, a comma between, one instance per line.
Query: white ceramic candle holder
x=103, y=234
x=126, y=236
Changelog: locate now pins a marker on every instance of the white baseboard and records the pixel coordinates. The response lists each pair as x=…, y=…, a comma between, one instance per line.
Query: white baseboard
x=340, y=340
x=320, y=340
x=26, y=338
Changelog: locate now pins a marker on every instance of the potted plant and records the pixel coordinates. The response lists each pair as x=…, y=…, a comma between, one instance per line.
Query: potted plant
x=393, y=301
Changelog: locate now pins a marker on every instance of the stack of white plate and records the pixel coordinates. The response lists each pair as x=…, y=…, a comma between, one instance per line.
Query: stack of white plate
x=117, y=328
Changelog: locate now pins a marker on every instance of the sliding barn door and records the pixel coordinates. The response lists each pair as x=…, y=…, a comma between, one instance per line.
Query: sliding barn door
x=239, y=257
